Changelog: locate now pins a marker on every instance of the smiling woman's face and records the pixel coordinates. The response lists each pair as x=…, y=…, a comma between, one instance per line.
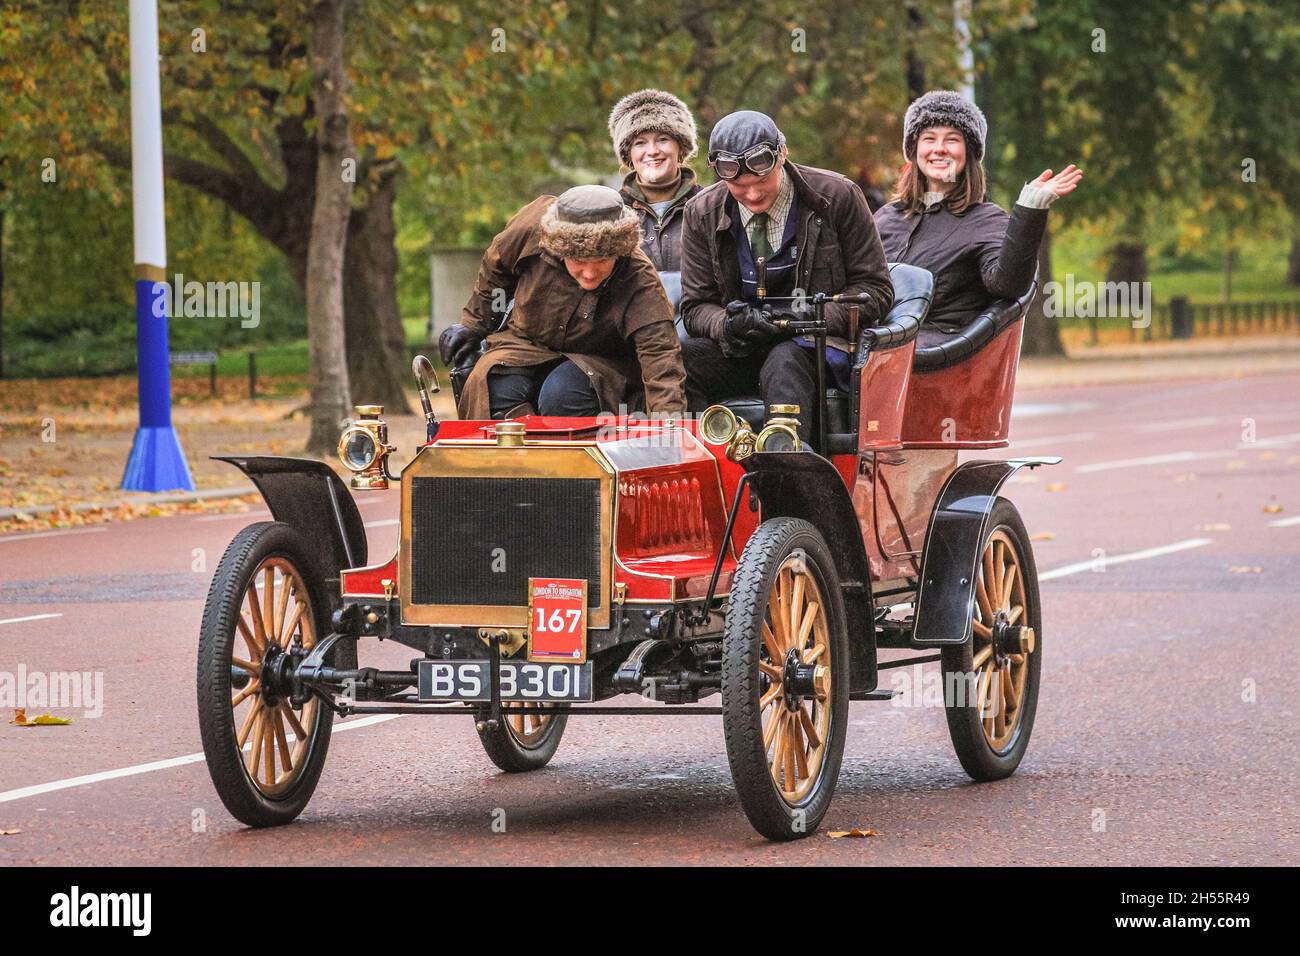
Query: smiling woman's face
x=655, y=157
x=941, y=156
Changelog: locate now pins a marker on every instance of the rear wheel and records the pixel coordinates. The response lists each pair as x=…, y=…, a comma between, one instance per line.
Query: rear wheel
x=522, y=741
x=264, y=610
x=785, y=693
x=991, y=681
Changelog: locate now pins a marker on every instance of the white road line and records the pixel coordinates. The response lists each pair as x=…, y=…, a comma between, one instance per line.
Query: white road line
x=381, y=524
x=1180, y=423
x=1270, y=442
x=1110, y=559
x=85, y=779
x=1054, y=440
x=1279, y=523
x=49, y=534
x=234, y=514
x=1168, y=459
x=30, y=617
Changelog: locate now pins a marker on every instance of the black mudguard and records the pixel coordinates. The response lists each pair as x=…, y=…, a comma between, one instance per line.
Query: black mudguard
x=946, y=602
x=805, y=485
x=307, y=495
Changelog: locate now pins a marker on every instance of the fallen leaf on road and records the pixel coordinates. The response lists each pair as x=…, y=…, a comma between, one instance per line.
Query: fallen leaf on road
x=20, y=716
x=1244, y=569
x=1214, y=527
x=1055, y=486
x=1272, y=509
x=1043, y=536
x=1234, y=465
x=45, y=720
x=9, y=832
x=1267, y=455
x=1186, y=476
x=855, y=832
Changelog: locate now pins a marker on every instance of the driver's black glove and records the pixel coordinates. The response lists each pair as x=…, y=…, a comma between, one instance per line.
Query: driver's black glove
x=746, y=326
x=457, y=345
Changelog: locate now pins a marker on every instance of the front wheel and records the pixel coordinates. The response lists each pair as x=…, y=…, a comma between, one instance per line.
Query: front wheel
x=522, y=741
x=991, y=681
x=785, y=691
x=264, y=610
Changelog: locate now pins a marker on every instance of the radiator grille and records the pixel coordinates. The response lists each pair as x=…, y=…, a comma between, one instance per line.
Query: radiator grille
x=477, y=541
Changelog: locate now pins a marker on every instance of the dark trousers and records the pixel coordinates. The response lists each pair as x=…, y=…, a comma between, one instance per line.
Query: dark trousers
x=781, y=374
x=557, y=388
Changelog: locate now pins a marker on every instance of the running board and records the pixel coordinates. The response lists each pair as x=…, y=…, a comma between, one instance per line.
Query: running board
x=875, y=695
x=346, y=705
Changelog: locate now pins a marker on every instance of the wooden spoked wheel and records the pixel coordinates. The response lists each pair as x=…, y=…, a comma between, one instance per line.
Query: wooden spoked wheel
x=264, y=613
x=991, y=680
x=274, y=618
x=528, y=729
x=1001, y=675
x=785, y=693
x=795, y=640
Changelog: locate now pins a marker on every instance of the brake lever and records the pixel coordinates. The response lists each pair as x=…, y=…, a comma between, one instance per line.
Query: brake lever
x=419, y=366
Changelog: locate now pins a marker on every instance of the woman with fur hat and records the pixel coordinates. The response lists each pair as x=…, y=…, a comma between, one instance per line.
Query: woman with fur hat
x=653, y=133
x=590, y=329
x=940, y=221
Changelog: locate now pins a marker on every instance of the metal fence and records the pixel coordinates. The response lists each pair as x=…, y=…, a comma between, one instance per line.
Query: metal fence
x=1180, y=319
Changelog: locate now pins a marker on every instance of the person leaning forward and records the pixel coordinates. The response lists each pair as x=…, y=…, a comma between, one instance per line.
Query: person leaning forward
x=814, y=230
x=591, y=328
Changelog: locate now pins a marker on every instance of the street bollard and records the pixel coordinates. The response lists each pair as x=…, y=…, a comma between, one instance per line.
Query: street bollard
x=1180, y=318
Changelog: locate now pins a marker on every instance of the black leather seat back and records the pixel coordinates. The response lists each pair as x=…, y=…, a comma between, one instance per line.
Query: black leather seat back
x=936, y=349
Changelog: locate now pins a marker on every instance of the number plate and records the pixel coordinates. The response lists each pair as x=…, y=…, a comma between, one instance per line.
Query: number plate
x=472, y=680
x=557, y=619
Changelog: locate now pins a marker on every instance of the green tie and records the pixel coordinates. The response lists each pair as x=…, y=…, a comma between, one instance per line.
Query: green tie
x=758, y=243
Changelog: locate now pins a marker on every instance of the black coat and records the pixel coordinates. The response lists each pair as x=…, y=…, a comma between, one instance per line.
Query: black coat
x=977, y=257
x=661, y=236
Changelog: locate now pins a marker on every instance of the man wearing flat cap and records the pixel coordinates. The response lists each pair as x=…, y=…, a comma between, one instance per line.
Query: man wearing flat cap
x=813, y=232
x=591, y=328
x=653, y=133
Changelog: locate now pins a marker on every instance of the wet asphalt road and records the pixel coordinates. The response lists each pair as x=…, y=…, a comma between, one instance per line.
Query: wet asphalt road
x=1166, y=729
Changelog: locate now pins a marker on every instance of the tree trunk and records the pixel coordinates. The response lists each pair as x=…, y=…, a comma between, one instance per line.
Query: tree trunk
x=1042, y=332
x=330, y=395
x=377, y=358
x=1293, y=260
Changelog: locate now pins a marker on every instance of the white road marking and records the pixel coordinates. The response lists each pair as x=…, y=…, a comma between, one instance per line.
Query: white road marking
x=30, y=617
x=381, y=524
x=1038, y=409
x=235, y=514
x=1279, y=523
x=49, y=534
x=1180, y=423
x=1110, y=559
x=1054, y=440
x=90, y=778
x=1270, y=442
x=1170, y=458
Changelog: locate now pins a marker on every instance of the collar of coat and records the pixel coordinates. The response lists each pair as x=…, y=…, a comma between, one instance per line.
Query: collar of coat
x=805, y=179
x=632, y=189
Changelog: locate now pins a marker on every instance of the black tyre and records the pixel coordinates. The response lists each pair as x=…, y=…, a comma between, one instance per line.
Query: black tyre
x=264, y=755
x=991, y=681
x=785, y=692
x=522, y=742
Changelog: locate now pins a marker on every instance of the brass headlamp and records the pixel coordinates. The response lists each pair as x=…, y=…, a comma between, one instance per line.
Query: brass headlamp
x=364, y=448
x=781, y=433
x=719, y=425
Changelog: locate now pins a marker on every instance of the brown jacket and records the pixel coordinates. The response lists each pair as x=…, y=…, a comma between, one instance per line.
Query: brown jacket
x=621, y=334
x=838, y=251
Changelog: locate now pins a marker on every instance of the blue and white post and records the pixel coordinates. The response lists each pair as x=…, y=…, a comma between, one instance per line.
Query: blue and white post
x=156, y=462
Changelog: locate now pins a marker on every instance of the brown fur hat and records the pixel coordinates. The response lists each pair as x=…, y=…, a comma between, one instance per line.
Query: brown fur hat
x=590, y=222
x=651, y=111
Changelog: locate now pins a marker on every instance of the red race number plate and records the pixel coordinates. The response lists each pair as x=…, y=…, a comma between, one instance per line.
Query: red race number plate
x=557, y=620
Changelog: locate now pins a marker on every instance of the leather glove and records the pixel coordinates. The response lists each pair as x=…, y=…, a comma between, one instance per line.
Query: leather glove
x=457, y=345
x=749, y=324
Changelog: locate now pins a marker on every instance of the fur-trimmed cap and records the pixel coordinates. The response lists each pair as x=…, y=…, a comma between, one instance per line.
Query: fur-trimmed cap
x=590, y=222
x=650, y=111
x=945, y=108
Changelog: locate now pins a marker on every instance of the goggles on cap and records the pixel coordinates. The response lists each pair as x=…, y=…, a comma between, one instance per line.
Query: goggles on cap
x=759, y=160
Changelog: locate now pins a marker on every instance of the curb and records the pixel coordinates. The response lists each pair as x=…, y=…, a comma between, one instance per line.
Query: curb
x=237, y=491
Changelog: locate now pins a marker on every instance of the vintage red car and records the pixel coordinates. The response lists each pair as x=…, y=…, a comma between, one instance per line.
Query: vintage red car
x=546, y=565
